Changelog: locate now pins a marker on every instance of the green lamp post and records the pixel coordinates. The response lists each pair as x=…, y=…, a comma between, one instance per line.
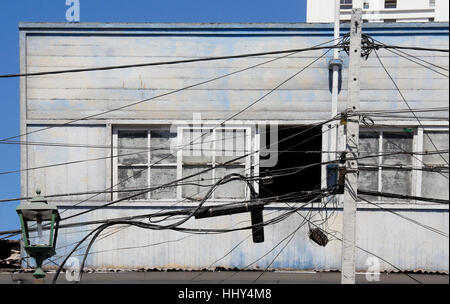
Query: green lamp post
x=42, y=215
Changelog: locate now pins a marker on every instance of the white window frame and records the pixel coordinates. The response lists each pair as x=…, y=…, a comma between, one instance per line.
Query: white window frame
x=248, y=158
x=115, y=159
x=417, y=160
x=381, y=132
x=252, y=140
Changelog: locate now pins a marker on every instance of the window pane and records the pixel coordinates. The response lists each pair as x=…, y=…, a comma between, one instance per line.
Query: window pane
x=396, y=181
x=197, y=146
x=435, y=185
x=195, y=190
x=234, y=189
x=397, y=142
x=132, y=142
x=132, y=178
x=390, y=4
x=346, y=4
x=440, y=140
x=160, y=143
x=160, y=176
x=368, y=179
x=368, y=145
x=231, y=144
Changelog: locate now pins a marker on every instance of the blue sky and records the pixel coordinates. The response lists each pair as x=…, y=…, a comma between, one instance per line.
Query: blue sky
x=12, y=12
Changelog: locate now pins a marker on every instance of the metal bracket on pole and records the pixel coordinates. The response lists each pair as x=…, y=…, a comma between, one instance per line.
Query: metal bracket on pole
x=335, y=63
x=351, y=164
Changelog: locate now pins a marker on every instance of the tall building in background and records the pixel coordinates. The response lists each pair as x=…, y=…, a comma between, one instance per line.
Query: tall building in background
x=322, y=11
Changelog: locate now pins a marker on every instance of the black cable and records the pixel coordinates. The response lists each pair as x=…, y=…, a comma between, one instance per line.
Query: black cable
x=402, y=196
x=415, y=48
x=434, y=168
x=157, y=227
x=313, y=48
x=269, y=200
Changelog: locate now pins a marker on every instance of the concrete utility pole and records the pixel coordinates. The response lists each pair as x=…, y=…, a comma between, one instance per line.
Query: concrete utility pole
x=351, y=166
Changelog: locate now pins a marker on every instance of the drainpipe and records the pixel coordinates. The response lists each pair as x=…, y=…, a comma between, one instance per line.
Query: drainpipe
x=335, y=65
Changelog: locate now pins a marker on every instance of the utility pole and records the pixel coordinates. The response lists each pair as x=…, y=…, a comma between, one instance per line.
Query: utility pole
x=351, y=165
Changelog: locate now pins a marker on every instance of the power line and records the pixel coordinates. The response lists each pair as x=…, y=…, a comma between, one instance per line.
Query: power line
x=116, y=67
x=205, y=59
x=402, y=196
x=415, y=48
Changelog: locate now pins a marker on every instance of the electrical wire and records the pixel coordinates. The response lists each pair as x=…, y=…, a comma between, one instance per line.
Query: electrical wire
x=116, y=67
x=99, y=229
x=402, y=196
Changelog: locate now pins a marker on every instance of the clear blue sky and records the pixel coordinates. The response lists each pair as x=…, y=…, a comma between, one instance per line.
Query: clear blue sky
x=14, y=11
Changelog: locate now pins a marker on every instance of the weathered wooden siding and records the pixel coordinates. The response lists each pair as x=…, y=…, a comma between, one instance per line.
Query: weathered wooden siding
x=307, y=96
x=87, y=143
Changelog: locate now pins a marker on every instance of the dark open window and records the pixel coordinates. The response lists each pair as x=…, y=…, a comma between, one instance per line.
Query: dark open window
x=346, y=4
x=390, y=4
x=294, y=142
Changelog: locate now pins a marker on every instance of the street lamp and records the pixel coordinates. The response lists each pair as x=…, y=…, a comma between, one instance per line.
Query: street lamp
x=42, y=214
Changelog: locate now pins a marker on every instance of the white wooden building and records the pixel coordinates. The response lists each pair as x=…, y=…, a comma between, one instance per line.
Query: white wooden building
x=84, y=124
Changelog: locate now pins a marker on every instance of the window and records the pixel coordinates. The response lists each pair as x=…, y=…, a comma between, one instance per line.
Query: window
x=292, y=141
x=389, y=172
x=390, y=4
x=434, y=179
x=432, y=3
x=145, y=160
x=417, y=175
x=366, y=5
x=390, y=20
x=223, y=149
x=346, y=4
x=154, y=156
